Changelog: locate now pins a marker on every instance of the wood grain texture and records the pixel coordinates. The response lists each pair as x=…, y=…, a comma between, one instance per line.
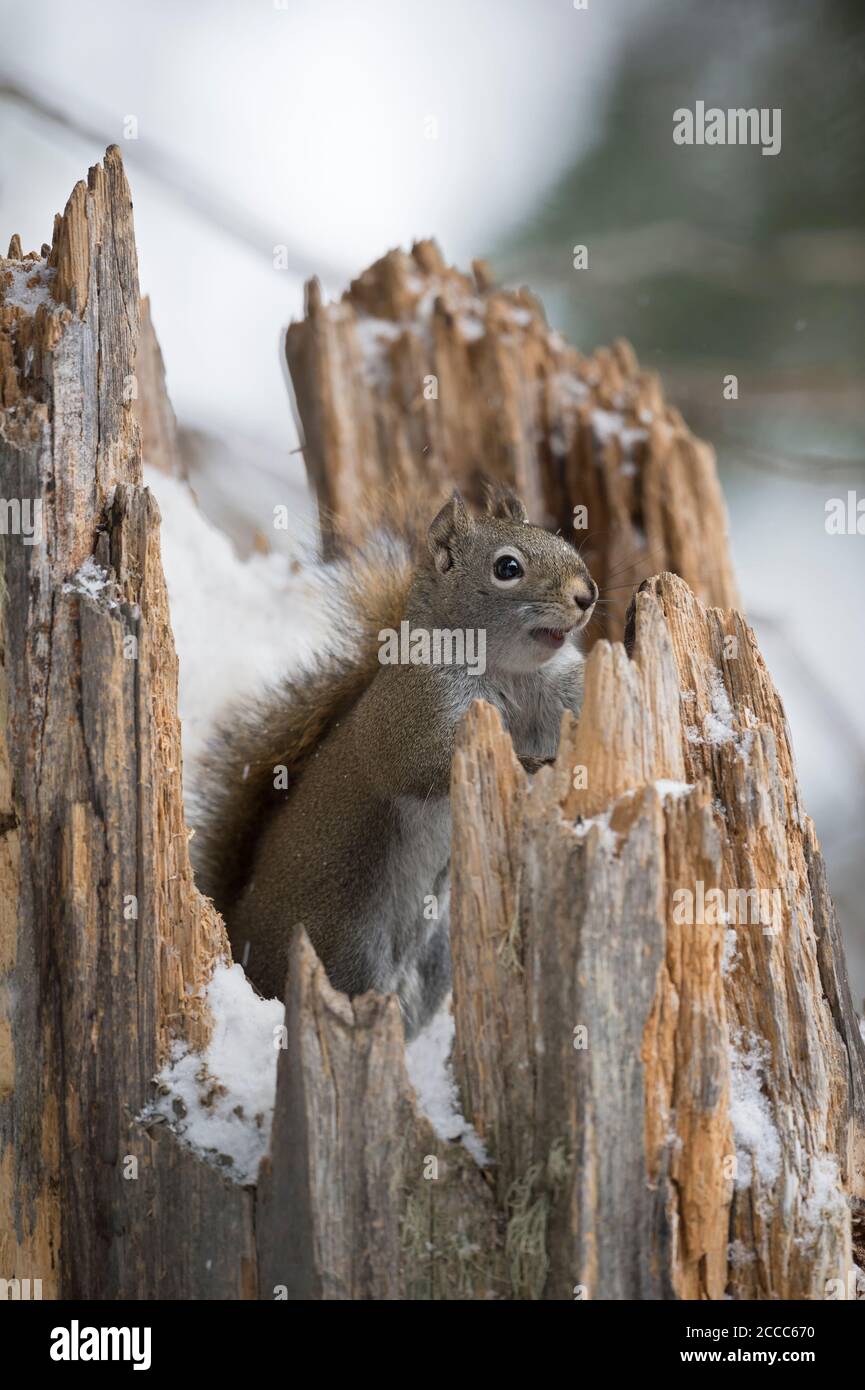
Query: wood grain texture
x=420, y=377
x=672, y=1108
x=106, y=943
x=679, y=1100
x=359, y=1199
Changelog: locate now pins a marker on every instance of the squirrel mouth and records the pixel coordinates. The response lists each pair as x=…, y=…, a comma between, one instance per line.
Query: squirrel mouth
x=551, y=636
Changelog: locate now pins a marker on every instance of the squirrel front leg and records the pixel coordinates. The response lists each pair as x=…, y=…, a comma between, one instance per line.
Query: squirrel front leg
x=563, y=691
x=404, y=726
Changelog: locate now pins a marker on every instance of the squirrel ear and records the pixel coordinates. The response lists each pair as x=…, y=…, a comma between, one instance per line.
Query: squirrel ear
x=452, y=525
x=502, y=502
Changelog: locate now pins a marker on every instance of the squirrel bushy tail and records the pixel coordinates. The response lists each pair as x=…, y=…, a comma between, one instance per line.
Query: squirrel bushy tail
x=366, y=589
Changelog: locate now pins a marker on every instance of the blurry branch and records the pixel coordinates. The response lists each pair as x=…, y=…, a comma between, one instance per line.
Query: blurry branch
x=175, y=177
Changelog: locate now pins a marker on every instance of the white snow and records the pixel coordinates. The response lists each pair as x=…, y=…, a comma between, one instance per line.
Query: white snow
x=676, y=790
x=26, y=296
x=609, y=424
x=717, y=722
x=609, y=838
x=238, y=624
x=730, y=958
x=738, y=1254
x=374, y=335
x=718, y=726
x=756, y=1137
x=93, y=582
x=824, y=1200
x=568, y=386
x=606, y=424
x=220, y=1102
x=471, y=327
x=631, y=436
x=431, y=1074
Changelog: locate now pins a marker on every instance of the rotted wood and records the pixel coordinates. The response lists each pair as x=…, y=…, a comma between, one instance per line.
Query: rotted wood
x=420, y=377
x=105, y=944
x=674, y=1108
x=671, y=1108
x=359, y=1199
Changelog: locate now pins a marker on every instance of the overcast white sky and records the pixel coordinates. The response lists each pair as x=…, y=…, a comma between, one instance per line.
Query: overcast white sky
x=307, y=126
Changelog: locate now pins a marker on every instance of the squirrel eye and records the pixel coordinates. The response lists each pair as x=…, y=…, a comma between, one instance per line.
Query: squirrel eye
x=507, y=567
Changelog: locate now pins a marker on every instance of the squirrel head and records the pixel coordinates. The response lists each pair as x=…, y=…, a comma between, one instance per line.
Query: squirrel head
x=526, y=587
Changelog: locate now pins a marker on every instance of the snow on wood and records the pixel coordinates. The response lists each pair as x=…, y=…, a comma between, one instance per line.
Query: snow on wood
x=663, y=1111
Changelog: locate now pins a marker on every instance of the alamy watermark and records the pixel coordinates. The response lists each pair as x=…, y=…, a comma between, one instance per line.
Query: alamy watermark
x=20, y=1290
x=438, y=646
x=22, y=516
x=736, y=126
x=711, y=907
x=77, y=1343
x=845, y=516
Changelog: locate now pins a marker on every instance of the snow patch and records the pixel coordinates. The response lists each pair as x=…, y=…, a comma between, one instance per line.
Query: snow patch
x=375, y=335
x=238, y=624
x=738, y=1254
x=431, y=1074
x=718, y=726
x=610, y=424
x=220, y=1102
x=717, y=722
x=825, y=1199
x=730, y=958
x=93, y=582
x=609, y=838
x=758, y=1146
x=570, y=387
x=23, y=295
x=471, y=327
x=676, y=790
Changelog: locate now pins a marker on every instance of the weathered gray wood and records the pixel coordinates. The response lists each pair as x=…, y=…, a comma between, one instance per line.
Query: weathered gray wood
x=92, y=987
x=621, y=1155
x=359, y=1199
x=618, y=1169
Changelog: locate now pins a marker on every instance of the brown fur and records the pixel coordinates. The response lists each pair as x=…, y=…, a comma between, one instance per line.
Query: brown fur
x=358, y=843
x=235, y=786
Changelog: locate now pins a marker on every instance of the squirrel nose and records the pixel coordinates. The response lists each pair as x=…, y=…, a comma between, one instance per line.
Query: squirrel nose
x=585, y=597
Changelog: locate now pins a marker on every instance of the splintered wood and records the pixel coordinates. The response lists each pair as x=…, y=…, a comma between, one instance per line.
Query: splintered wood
x=106, y=943
x=421, y=377
x=359, y=1198
x=653, y=1036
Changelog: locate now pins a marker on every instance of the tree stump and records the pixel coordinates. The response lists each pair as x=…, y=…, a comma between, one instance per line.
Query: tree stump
x=421, y=377
x=654, y=1034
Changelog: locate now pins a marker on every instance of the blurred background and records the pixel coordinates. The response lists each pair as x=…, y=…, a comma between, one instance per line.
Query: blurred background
x=269, y=140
